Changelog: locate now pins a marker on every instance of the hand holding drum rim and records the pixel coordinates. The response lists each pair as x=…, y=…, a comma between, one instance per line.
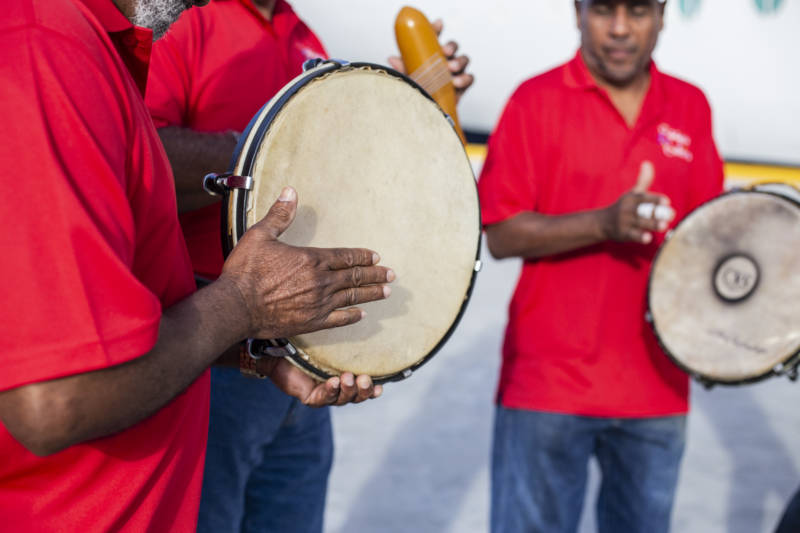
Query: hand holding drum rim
x=289, y=290
x=638, y=213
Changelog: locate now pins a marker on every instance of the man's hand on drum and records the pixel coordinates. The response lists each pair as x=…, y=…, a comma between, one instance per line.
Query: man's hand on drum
x=289, y=290
x=638, y=213
x=456, y=64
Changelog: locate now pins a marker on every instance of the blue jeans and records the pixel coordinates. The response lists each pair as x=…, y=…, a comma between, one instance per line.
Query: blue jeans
x=540, y=462
x=268, y=459
x=790, y=521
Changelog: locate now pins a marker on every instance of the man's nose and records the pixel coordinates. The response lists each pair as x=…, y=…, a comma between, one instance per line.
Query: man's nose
x=620, y=21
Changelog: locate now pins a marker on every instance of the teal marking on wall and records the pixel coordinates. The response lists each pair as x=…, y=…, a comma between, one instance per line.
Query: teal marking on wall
x=768, y=6
x=690, y=8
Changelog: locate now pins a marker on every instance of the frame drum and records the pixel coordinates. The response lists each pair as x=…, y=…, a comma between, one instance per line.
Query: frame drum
x=376, y=164
x=725, y=286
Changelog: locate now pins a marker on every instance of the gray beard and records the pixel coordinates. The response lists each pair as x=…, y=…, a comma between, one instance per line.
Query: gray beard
x=158, y=15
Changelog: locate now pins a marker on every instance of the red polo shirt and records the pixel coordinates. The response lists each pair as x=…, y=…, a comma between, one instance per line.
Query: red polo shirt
x=92, y=254
x=212, y=72
x=577, y=341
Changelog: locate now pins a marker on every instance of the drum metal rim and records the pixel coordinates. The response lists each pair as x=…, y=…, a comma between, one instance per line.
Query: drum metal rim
x=243, y=166
x=790, y=361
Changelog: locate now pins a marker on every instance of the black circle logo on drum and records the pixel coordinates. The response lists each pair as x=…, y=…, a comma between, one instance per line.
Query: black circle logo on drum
x=735, y=277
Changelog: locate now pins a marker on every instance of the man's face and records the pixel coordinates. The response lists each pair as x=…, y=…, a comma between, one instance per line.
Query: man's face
x=618, y=37
x=158, y=15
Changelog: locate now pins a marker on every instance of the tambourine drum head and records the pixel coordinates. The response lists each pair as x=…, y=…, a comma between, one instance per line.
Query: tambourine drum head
x=376, y=165
x=725, y=287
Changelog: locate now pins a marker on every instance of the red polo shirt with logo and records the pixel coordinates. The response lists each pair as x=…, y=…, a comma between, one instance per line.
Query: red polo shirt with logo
x=92, y=253
x=577, y=341
x=212, y=72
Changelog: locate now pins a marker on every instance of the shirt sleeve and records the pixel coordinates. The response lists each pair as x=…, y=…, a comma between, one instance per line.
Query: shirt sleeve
x=169, y=79
x=506, y=186
x=707, y=173
x=71, y=303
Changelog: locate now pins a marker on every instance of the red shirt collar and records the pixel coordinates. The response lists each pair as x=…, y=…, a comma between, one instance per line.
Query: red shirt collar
x=109, y=15
x=577, y=76
x=134, y=44
x=281, y=6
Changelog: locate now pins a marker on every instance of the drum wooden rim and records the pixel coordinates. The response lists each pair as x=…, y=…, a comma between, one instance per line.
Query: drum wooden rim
x=234, y=205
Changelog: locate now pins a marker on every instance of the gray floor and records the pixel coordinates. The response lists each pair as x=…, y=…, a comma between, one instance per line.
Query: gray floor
x=417, y=459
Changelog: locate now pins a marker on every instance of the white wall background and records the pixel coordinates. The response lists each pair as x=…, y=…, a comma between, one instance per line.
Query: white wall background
x=747, y=62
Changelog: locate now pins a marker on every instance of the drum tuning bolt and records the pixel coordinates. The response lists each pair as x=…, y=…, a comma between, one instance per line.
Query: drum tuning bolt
x=219, y=184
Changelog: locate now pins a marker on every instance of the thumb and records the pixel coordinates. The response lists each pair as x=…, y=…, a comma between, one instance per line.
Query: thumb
x=281, y=215
x=438, y=26
x=646, y=175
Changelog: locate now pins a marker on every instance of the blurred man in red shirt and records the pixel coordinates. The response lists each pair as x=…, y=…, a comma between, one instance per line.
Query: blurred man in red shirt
x=265, y=471
x=577, y=150
x=104, y=389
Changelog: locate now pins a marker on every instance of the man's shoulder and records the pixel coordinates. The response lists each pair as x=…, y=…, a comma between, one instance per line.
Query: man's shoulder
x=541, y=85
x=64, y=17
x=63, y=25
x=680, y=89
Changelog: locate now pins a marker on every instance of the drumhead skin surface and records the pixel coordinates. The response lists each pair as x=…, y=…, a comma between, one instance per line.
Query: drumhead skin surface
x=725, y=287
x=377, y=165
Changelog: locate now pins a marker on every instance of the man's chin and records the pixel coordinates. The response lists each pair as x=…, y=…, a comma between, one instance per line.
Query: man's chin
x=620, y=77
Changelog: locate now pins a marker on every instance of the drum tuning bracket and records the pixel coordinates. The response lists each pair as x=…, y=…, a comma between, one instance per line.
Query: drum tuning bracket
x=706, y=383
x=258, y=348
x=317, y=61
x=219, y=184
x=788, y=369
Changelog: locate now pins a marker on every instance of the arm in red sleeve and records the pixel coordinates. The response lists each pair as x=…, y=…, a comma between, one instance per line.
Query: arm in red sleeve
x=87, y=349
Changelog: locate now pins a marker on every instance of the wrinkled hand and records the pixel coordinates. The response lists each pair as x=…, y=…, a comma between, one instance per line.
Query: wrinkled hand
x=290, y=290
x=338, y=390
x=621, y=221
x=456, y=64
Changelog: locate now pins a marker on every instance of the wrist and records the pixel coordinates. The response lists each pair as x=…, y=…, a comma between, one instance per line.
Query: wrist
x=229, y=299
x=603, y=224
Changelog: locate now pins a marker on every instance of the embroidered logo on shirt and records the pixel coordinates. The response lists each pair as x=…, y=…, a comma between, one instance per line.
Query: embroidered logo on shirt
x=674, y=143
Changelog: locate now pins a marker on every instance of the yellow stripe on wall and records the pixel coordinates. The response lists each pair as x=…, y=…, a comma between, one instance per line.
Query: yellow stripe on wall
x=750, y=174
x=736, y=174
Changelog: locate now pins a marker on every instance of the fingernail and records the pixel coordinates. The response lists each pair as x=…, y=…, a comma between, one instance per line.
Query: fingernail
x=347, y=379
x=287, y=194
x=363, y=383
x=377, y=391
x=386, y=291
x=646, y=238
x=363, y=314
x=375, y=258
x=390, y=275
x=662, y=226
x=335, y=382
